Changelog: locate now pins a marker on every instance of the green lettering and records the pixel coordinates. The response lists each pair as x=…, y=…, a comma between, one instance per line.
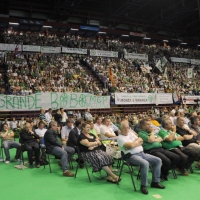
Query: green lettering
x=8, y=101
x=2, y=102
x=63, y=100
x=31, y=102
x=73, y=100
x=82, y=100
x=22, y=100
x=36, y=101
x=15, y=102
x=54, y=103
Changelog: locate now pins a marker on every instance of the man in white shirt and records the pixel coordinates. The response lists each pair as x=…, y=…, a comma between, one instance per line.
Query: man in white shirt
x=40, y=131
x=13, y=124
x=131, y=145
x=48, y=115
x=106, y=130
x=98, y=125
x=65, y=130
x=64, y=116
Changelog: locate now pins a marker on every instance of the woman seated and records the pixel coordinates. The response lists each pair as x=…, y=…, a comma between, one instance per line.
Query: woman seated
x=90, y=151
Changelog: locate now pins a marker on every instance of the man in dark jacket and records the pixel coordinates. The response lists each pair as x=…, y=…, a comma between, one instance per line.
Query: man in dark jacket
x=72, y=139
x=28, y=139
x=55, y=148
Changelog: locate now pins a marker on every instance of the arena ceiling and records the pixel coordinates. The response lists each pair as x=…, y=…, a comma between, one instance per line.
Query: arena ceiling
x=173, y=18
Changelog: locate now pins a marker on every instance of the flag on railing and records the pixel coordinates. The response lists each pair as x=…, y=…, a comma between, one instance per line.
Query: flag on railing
x=111, y=75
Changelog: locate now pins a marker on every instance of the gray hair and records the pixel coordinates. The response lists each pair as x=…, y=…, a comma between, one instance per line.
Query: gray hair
x=52, y=123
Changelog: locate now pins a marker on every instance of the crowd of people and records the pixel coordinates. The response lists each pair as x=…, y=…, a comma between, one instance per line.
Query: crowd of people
x=165, y=140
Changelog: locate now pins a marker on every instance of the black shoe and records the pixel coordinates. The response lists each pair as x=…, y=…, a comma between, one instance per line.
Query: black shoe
x=144, y=190
x=157, y=185
x=164, y=178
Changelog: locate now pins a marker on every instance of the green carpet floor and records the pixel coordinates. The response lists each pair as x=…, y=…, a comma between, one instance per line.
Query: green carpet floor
x=39, y=184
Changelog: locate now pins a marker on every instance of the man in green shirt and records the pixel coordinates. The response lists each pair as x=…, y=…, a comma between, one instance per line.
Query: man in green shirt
x=172, y=142
x=152, y=145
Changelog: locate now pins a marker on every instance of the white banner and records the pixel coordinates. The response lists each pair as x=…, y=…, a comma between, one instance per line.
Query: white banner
x=10, y=47
x=195, y=62
x=190, y=73
x=104, y=53
x=31, y=48
x=134, y=98
x=53, y=100
x=190, y=99
x=181, y=60
x=136, y=56
x=74, y=50
x=143, y=98
x=164, y=98
x=138, y=34
x=50, y=49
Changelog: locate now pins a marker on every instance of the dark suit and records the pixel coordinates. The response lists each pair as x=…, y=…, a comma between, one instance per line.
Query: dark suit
x=72, y=139
x=30, y=144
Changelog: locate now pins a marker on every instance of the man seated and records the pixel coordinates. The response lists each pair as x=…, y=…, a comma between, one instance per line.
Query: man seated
x=29, y=140
x=55, y=148
x=106, y=131
x=154, y=121
x=8, y=142
x=152, y=145
x=131, y=145
x=65, y=130
x=172, y=142
x=40, y=131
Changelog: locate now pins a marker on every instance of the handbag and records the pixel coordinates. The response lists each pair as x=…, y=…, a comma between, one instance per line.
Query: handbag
x=113, y=150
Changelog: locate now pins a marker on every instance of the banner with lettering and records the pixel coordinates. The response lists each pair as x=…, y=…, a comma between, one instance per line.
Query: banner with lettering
x=74, y=50
x=10, y=47
x=50, y=49
x=143, y=98
x=195, y=62
x=103, y=53
x=136, y=56
x=32, y=48
x=180, y=60
x=53, y=100
x=190, y=99
x=134, y=98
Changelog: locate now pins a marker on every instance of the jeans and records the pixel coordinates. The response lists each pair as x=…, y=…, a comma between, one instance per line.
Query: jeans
x=144, y=160
x=187, y=157
x=63, y=155
x=169, y=159
x=9, y=144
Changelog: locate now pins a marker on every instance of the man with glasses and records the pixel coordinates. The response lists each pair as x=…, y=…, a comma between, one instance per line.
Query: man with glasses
x=55, y=148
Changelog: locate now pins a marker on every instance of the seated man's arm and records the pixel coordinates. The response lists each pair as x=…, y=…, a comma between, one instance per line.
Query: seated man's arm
x=130, y=145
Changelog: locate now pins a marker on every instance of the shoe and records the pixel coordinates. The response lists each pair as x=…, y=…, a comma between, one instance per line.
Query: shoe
x=38, y=166
x=183, y=172
x=157, y=185
x=17, y=160
x=164, y=178
x=144, y=190
x=7, y=162
x=117, y=179
x=197, y=166
x=31, y=166
x=68, y=174
x=1, y=160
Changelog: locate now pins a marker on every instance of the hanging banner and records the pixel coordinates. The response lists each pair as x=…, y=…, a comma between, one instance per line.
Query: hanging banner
x=143, y=98
x=190, y=73
x=195, y=62
x=104, y=53
x=164, y=98
x=136, y=56
x=137, y=34
x=31, y=48
x=50, y=49
x=53, y=100
x=180, y=60
x=10, y=47
x=74, y=50
x=190, y=99
x=134, y=98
